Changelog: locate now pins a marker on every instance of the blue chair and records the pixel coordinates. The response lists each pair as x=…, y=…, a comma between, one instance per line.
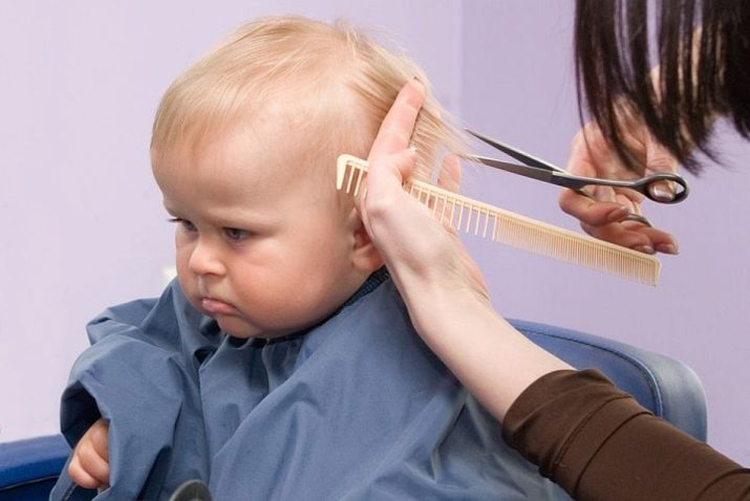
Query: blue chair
x=29, y=468
x=670, y=389
x=665, y=386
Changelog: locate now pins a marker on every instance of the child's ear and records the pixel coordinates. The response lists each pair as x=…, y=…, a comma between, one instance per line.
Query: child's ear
x=365, y=256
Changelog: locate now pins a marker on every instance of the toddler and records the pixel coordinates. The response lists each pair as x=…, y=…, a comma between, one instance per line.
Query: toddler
x=281, y=364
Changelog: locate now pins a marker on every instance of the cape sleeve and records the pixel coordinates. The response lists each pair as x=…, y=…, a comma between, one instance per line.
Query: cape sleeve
x=140, y=374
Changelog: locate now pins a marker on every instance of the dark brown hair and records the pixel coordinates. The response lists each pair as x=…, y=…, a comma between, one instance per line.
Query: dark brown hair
x=701, y=73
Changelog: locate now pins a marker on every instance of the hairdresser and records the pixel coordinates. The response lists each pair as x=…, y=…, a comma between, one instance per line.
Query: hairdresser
x=582, y=432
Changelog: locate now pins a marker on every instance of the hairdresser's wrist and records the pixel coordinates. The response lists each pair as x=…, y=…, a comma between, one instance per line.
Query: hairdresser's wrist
x=487, y=354
x=442, y=315
x=433, y=292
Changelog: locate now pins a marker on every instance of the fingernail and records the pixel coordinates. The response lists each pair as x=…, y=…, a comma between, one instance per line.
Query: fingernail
x=646, y=249
x=618, y=214
x=661, y=193
x=668, y=249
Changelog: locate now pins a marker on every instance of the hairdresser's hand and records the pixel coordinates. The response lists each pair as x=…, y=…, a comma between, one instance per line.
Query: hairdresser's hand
x=426, y=260
x=606, y=218
x=441, y=285
x=89, y=466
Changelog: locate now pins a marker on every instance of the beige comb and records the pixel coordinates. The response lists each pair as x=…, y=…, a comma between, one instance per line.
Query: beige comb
x=470, y=216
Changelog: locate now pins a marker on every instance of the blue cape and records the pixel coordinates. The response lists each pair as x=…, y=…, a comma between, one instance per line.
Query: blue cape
x=355, y=408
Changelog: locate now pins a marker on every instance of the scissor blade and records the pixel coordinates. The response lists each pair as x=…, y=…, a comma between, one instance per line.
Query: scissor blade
x=516, y=153
x=523, y=170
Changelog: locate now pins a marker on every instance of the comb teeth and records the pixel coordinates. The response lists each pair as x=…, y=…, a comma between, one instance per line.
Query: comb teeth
x=470, y=216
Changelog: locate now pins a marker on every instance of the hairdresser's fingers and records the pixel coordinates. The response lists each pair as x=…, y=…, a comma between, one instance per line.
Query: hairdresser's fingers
x=391, y=162
x=592, y=212
x=413, y=244
x=634, y=235
x=387, y=174
x=660, y=160
x=589, y=154
x=601, y=204
x=605, y=216
x=589, y=158
x=619, y=234
x=607, y=221
x=659, y=240
x=396, y=130
x=450, y=173
x=449, y=179
x=382, y=191
x=637, y=236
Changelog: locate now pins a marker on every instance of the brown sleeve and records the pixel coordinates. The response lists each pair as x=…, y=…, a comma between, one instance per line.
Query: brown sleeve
x=598, y=443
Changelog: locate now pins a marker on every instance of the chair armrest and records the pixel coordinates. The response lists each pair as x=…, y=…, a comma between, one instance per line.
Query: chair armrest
x=30, y=467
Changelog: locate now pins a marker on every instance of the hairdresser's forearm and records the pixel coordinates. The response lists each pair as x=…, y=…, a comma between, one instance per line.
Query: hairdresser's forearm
x=489, y=356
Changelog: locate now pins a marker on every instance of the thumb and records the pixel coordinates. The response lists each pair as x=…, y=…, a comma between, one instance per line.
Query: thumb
x=659, y=159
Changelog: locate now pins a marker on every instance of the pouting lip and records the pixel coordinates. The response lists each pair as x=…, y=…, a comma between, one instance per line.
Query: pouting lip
x=213, y=306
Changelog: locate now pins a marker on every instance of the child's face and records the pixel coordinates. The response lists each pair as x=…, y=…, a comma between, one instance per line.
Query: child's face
x=261, y=247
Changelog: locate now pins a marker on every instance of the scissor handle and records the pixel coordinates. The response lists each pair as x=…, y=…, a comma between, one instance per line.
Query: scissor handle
x=645, y=185
x=679, y=193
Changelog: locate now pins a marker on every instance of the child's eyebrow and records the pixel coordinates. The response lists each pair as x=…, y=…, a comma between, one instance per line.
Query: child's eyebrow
x=229, y=218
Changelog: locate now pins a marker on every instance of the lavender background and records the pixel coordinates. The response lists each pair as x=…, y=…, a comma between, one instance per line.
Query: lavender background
x=83, y=228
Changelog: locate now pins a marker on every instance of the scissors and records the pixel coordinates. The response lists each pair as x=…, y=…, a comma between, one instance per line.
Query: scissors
x=541, y=170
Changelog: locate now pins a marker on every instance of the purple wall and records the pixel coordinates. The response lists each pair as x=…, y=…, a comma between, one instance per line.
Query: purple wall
x=83, y=227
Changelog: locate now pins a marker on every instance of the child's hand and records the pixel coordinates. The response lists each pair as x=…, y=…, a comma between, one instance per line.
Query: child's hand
x=89, y=467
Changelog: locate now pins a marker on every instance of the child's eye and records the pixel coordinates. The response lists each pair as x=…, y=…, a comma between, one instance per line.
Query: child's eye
x=236, y=234
x=183, y=223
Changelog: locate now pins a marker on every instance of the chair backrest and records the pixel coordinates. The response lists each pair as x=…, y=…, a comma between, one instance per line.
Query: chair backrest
x=665, y=386
x=670, y=389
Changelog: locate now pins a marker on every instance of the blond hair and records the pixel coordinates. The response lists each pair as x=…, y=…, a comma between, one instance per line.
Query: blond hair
x=332, y=83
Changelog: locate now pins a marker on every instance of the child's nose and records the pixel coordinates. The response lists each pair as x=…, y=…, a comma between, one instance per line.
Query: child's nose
x=205, y=259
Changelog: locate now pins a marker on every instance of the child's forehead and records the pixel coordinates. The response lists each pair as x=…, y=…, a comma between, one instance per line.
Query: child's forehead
x=238, y=171
x=258, y=153
x=288, y=133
